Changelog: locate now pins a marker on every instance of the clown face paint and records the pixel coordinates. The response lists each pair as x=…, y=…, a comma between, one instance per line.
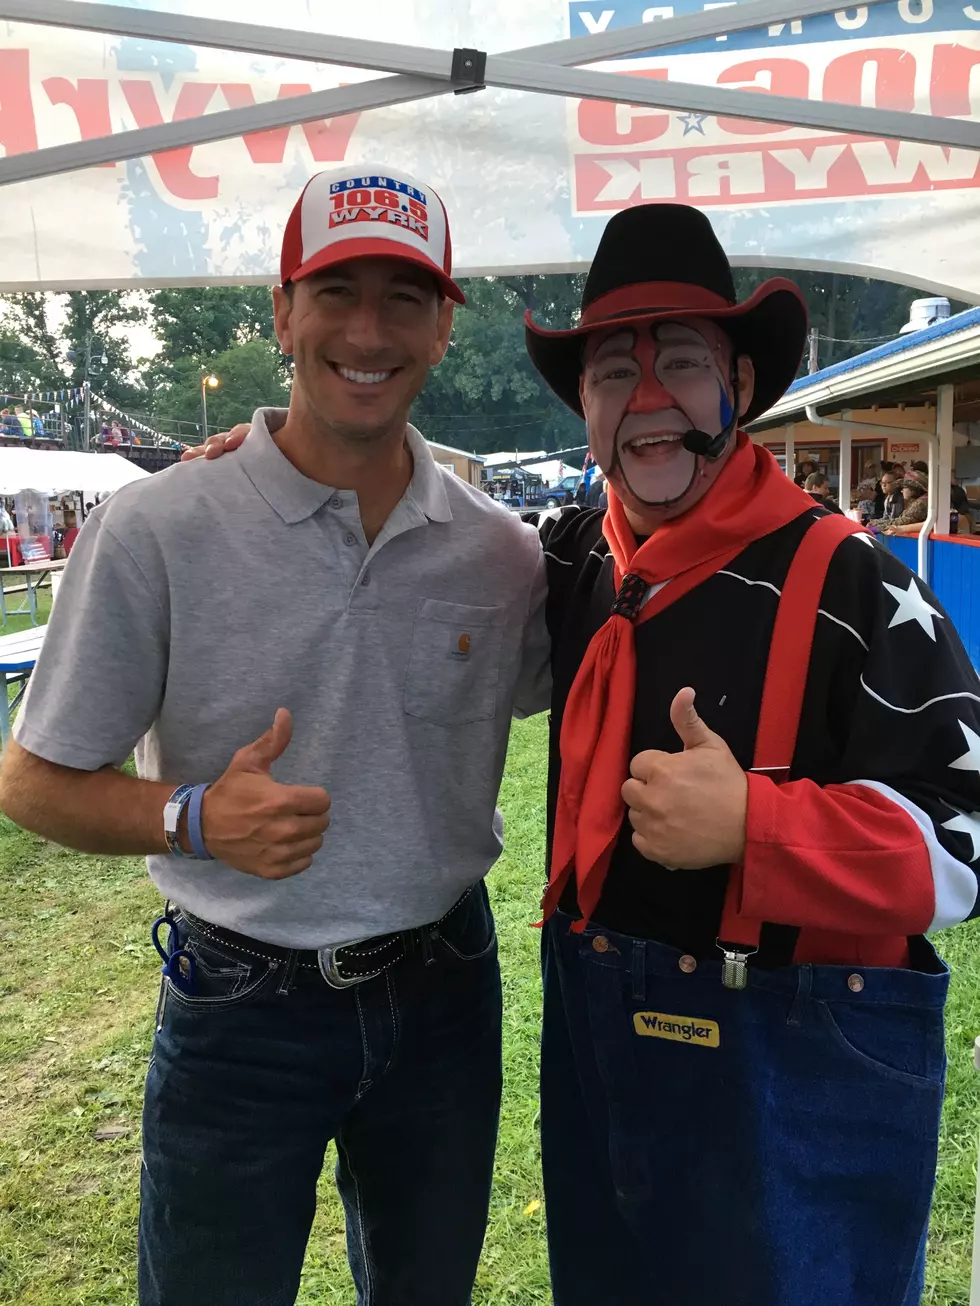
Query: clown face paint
x=643, y=389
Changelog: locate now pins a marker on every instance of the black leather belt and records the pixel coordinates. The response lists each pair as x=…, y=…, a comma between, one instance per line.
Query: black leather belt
x=341, y=966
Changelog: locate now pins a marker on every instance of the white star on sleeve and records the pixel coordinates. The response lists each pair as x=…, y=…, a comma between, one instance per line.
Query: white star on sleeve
x=912, y=607
x=864, y=538
x=970, y=761
x=968, y=824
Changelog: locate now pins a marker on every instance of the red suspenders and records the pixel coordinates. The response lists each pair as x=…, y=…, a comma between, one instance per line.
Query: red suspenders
x=782, y=704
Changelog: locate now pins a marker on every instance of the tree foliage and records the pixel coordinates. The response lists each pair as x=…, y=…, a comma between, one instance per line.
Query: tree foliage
x=484, y=396
x=250, y=376
x=46, y=338
x=202, y=324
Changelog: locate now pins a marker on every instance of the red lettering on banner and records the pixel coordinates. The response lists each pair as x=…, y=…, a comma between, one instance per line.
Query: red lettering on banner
x=599, y=120
x=894, y=79
x=18, y=132
x=953, y=66
x=786, y=77
x=835, y=168
x=174, y=166
x=88, y=99
x=328, y=138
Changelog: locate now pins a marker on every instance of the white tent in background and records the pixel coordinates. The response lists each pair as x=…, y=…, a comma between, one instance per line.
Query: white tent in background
x=552, y=470
x=511, y=459
x=54, y=472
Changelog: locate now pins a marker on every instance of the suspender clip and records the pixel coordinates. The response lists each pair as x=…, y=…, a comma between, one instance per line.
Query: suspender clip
x=734, y=969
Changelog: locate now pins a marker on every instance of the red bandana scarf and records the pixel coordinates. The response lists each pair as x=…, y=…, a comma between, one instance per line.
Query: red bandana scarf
x=750, y=499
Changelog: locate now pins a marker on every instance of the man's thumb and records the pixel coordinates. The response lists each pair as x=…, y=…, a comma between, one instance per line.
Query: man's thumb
x=689, y=726
x=262, y=752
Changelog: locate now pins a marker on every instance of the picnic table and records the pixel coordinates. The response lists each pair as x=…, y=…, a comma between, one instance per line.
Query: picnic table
x=18, y=654
x=34, y=574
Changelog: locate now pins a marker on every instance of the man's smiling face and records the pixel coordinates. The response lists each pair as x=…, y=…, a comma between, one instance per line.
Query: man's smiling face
x=363, y=336
x=643, y=388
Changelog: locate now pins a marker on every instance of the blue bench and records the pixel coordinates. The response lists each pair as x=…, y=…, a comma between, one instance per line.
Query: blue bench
x=18, y=655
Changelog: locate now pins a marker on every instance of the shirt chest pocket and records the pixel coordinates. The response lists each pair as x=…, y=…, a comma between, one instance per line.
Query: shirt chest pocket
x=455, y=663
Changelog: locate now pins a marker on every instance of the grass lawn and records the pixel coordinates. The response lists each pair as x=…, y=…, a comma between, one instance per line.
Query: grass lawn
x=78, y=986
x=14, y=624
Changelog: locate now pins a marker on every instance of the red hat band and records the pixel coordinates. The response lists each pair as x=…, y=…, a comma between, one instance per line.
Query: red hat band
x=653, y=297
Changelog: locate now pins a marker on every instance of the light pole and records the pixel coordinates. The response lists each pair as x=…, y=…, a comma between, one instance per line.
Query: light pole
x=209, y=382
x=72, y=355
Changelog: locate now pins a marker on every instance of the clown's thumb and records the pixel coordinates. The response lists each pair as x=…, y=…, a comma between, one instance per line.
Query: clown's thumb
x=689, y=726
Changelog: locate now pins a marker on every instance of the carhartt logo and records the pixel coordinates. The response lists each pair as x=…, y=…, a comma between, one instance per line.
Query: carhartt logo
x=682, y=1029
x=463, y=645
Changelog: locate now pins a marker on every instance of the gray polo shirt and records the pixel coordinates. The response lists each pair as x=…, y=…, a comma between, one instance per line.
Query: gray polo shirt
x=201, y=599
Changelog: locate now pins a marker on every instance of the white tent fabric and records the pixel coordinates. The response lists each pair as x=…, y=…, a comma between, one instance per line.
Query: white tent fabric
x=529, y=179
x=56, y=472
x=507, y=459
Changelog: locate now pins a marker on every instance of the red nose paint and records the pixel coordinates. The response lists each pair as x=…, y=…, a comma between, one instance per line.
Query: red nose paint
x=650, y=396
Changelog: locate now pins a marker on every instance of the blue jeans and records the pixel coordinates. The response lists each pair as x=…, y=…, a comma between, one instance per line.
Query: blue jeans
x=774, y=1146
x=254, y=1074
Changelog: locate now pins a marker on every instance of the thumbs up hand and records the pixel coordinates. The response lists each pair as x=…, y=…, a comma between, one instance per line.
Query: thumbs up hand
x=688, y=809
x=253, y=823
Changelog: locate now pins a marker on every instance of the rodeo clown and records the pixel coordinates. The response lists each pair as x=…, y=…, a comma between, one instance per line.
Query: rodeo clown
x=764, y=791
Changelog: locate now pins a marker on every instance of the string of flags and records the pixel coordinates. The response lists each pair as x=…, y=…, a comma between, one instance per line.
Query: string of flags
x=73, y=394
x=131, y=422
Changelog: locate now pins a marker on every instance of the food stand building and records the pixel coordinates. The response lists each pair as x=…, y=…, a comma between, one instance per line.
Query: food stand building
x=917, y=397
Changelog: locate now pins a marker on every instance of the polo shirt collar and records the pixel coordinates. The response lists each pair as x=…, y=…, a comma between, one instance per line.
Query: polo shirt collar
x=287, y=491
x=295, y=497
x=428, y=485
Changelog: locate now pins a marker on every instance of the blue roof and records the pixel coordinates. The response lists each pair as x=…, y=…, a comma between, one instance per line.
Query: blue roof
x=950, y=327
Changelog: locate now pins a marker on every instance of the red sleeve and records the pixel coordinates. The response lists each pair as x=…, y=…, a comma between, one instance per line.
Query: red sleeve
x=840, y=858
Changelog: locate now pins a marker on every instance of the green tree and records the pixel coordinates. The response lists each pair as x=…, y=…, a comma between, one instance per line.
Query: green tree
x=486, y=395
x=103, y=316
x=250, y=376
x=23, y=368
x=850, y=314
x=202, y=323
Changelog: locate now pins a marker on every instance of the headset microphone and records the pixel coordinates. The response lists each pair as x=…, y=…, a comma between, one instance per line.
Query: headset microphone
x=713, y=446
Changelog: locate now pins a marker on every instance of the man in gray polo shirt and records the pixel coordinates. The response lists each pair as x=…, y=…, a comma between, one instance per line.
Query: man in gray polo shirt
x=354, y=665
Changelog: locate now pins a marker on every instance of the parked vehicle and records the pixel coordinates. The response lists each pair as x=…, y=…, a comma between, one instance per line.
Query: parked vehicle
x=555, y=495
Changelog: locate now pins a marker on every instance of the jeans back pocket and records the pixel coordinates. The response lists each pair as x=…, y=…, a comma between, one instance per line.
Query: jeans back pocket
x=455, y=663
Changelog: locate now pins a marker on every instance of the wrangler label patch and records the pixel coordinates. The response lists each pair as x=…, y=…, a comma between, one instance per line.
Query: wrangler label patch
x=682, y=1029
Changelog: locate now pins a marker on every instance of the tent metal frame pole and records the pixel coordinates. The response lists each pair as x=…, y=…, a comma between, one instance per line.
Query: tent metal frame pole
x=514, y=72
x=332, y=103
x=185, y=29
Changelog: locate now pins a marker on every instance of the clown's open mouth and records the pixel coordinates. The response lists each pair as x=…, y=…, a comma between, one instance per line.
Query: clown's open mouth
x=657, y=447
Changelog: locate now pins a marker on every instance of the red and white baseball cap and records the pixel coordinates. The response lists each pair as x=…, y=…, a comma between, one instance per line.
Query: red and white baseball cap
x=368, y=212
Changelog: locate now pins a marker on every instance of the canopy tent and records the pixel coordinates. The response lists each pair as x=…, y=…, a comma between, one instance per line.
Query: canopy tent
x=510, y=459
x=814, y=137
x=53, y=472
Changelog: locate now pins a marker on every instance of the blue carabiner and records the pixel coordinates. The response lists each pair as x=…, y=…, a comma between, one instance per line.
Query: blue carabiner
x=178, y=963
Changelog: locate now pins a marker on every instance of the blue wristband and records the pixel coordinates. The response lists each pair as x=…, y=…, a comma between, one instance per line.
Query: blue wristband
x=194, y=831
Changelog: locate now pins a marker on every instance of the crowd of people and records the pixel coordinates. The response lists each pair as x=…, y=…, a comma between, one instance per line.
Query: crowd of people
x=886, y=502
x=115, y=435
x=20, y=425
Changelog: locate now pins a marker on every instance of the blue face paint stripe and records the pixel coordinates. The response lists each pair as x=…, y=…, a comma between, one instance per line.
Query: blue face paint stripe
x=725, y=408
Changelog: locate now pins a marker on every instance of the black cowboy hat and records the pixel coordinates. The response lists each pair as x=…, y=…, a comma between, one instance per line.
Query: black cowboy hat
x=661, y=262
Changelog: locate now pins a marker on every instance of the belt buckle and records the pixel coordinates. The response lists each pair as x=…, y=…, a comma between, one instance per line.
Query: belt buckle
x=327, y=962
